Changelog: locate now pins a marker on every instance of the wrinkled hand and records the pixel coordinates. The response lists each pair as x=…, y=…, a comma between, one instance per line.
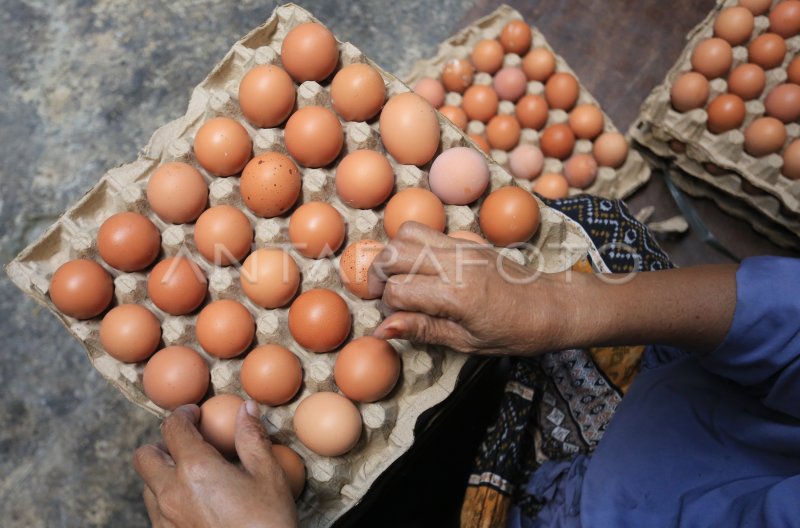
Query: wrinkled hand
x=466, y=296
x=188, y=483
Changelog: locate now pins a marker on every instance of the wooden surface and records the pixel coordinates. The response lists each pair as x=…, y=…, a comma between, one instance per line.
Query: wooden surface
x=621, y=50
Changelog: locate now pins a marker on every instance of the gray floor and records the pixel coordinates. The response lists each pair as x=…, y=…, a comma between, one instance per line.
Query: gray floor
x=83, y=83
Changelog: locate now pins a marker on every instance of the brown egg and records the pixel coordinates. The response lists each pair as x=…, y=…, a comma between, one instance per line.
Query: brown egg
x=580, y=171
x=223, y=235
x=327, y=423
x=757, y=7
x=367, y=369
x=526, y=162
x=783, y=102
x=677, y=146
x=319, y=320
x=561, y=91
x=357, y=92
x=587, y=121
x=510, y=84
x=130, y=333
x=763, y=136
x=269, y=277
x=793, y=71
x=482, y=143
x=725, y=112
x=791, y=160
x=459, y=176
x=431, y=90
x=487, y=56
x=509, y=216
x=557, y=141
x=222, y=146
x=767, y=50
x=480, y=103
x=354, y=265
x=516, y=37
x=551, y=186
x=177, y=285
x=747, y=81
x=218, y=422
x=712, y=57
x=734, y=24
x=714, y=169
x=314, y=136
x=271, y=375
x=413, y=204
x=292, y=466
x=610, y=149
x=175, y=376
x=457, y=75
x=410, y=129
x=469, y=236
x=532, y=111
x=81, y=288
x=539, y=64
x=316, y=230
x=266, y=95
x=503, y=132
x=309, y=52
x=225, y=328
x=270, y=184
x=364, y=179
x=177, y=192
x=689, y=91
x=784, y=19
x=456, y=115
x=128, y=241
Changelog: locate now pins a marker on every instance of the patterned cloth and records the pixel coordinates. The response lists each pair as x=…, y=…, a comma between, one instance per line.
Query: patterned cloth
x=558, y=405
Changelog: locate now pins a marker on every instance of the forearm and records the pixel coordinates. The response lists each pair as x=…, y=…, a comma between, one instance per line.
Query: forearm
x=690, y=308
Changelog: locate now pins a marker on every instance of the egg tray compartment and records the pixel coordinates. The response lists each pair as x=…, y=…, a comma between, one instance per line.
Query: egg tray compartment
x=691, y=177
x=726, y=150
x=610, y=182
x=429, y=374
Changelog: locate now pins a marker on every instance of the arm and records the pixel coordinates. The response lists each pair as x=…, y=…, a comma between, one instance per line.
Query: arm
x=477, y=309
x=188, y=483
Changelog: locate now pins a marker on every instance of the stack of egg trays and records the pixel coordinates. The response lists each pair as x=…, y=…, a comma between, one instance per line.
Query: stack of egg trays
x=610, y=183
x=429, y=374
x=744, y=186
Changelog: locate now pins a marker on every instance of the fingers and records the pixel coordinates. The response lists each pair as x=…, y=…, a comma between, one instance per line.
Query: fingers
x=422, y=328
x=406, y=257
x=252, y=442
x=154, y=466
x=423, y=235
x=420, y=293
x=151, y=503
x=181, y=436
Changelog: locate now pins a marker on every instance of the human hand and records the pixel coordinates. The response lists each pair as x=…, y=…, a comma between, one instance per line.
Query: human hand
x=466, y=296
x=188, y=483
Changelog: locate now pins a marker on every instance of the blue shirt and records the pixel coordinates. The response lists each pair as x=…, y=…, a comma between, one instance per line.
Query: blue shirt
x=708, y=440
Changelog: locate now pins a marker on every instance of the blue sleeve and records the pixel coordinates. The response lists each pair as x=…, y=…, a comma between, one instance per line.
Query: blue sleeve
x=762, y=348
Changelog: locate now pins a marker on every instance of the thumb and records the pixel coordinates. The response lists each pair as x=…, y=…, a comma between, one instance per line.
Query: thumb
x=252, y=441
x=422, y=328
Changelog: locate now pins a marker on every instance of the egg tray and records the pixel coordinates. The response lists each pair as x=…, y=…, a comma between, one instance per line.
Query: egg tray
x=659, y=123
x=660, y=154
x=429, y=374
x=610, y=183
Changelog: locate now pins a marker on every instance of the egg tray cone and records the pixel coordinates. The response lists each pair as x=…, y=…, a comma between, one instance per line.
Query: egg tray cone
x=610, y=182
x=429, y=374
x=659, y=124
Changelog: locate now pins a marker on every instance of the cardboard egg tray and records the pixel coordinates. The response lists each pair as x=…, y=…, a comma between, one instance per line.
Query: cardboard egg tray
x=776, y=197
x=610, y=183
x=429, y=374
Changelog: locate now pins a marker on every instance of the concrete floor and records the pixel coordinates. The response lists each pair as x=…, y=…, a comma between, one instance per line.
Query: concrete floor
x=83, y=84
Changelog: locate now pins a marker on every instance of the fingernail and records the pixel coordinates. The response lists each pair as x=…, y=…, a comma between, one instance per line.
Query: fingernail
x=191, y=409
x=252, y=408
x=394, y=330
